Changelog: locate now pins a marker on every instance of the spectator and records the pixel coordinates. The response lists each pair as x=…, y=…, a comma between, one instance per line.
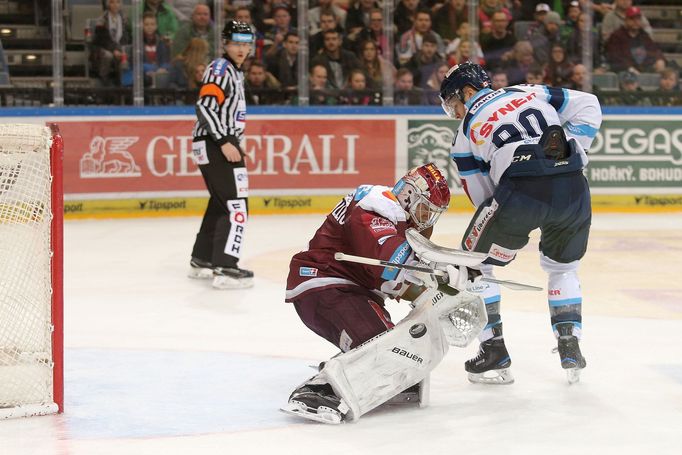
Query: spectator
x=359, y=15
x=187, y=66
x=325, y=6
x=485, y=13
x=535, y=75
x=406, y=94
x=338, y=62
x=375, y=32
x=434, y=82
x=631, y=93
x=112, y=32
x=541, y=10
x=377, y=68
x=559, y=69
x=166, y=20
x=320, y=89
x=669, y=81
x=356, y=93
x=543, y=39
x=570, y=21
x=631, y=49
x=573, y=42
x=183, y=9
x=463, y=53
x=328, y=21
x=499, y=80
x=261, y=87
x=423, y=63
x=275, y=36
x=449, y=17
x=243, y=14
x=453, y=53
x=285, y=64
x=200, y=26
x=578, y=77
x=156, y=57
x=411, y=41
x=668, y=89
x=615, y=19
x=404, y=15
x=522, y=60
x=498, y=44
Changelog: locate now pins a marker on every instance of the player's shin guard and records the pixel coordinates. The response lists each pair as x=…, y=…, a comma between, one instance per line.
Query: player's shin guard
x=388, y=364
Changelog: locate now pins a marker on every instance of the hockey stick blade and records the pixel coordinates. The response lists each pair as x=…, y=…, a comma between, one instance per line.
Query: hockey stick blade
x=379, y=262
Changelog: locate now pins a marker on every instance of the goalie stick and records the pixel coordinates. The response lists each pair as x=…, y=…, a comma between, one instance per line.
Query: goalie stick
x=378, y=262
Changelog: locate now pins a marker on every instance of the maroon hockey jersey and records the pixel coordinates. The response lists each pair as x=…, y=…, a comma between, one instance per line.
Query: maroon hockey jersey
x=368, y=222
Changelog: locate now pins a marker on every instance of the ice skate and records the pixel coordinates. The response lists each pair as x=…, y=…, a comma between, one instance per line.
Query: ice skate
x=232, y=278
x=491, y=365
x=199, y=269
x=572, y=359
x=316, y=402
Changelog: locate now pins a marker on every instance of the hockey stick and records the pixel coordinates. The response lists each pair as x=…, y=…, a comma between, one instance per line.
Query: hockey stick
x=378, y=262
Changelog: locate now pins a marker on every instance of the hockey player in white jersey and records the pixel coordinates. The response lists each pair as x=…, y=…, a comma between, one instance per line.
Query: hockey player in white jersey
x=520, y=152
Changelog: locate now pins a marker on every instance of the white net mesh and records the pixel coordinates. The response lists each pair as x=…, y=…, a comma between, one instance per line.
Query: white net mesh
x=25, y=279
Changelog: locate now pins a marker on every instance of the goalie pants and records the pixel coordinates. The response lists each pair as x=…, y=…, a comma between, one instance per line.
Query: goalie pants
x=345, y=317
x=220, y=238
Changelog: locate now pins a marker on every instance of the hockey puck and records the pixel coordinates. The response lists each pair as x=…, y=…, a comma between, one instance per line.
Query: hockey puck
x=418, y=330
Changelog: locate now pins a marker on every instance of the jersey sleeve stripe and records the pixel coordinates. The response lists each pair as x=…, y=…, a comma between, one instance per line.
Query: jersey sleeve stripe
x=557, y=97
x=582, y=130
x=212, y=90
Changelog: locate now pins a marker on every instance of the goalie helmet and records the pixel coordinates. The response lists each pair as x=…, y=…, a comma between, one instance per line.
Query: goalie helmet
x=238, y=31
x=458, y=77
x=424, y=194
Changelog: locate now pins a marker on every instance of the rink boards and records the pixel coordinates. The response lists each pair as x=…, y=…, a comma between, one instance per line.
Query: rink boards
x=137, y=162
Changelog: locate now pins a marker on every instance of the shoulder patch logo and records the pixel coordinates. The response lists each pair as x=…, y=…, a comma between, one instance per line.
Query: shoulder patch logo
x=220, y=67
x=307, y=271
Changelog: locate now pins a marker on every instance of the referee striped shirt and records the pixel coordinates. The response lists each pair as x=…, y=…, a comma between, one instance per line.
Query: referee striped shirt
x=221, y=107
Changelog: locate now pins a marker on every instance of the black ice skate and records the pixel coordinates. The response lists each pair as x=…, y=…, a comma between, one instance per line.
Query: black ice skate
x=491, y=365
x=572, y=359
x=199, y=269
x=317, y=402
x=232, y=278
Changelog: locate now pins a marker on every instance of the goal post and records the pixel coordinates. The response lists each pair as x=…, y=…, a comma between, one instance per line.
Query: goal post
x=31, y=270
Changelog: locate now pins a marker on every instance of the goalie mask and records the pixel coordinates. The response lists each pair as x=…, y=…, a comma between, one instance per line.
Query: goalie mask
x=424, y=194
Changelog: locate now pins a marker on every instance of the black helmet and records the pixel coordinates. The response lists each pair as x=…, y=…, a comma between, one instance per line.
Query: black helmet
x=460, y=76
x=237, y=31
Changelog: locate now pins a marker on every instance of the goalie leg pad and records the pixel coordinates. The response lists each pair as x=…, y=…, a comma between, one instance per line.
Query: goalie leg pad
x=386, y=365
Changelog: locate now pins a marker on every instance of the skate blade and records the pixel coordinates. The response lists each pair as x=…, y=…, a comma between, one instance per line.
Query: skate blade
x=200, y=274
x=225, y=282
x=573, y=375
x=501, y=377
x=322, y=415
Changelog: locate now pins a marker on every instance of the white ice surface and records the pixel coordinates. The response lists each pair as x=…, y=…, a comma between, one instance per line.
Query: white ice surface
x=157, y=363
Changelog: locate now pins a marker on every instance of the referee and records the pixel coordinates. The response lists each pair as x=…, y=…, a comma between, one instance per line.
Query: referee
x=221, y=116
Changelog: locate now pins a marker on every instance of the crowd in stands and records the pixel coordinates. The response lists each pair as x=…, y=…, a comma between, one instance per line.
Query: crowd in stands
x=349, y=63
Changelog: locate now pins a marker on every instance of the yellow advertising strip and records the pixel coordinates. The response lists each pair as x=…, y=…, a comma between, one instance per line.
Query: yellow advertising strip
x=296, y=205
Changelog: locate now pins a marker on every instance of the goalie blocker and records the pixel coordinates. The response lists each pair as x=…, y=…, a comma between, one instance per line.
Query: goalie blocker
x=353, y=383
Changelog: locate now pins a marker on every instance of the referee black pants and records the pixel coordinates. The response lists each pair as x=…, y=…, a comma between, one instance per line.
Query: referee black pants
x=221, y=236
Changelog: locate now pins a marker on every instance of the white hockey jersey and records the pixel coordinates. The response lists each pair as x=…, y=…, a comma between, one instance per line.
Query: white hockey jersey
x=497, y=122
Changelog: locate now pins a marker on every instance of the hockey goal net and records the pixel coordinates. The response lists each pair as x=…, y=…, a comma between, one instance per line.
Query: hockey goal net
x=31, y=208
